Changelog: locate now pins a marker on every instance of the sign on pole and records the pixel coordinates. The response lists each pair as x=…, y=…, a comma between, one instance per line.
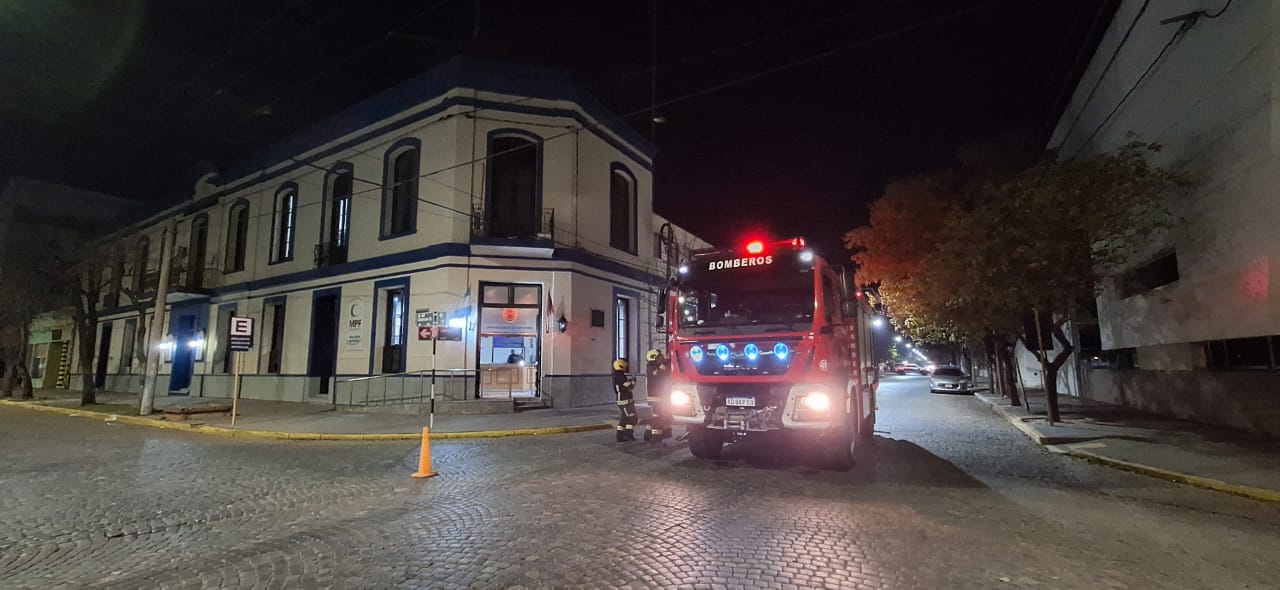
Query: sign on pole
x=239, y=340
x=241, y=335
x=425, y=333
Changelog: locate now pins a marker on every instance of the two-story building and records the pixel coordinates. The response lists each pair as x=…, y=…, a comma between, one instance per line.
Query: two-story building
x=1191, y=325
x=491, y=222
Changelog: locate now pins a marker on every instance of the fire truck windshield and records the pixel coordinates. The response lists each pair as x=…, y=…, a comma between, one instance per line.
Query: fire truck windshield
x=781, y=294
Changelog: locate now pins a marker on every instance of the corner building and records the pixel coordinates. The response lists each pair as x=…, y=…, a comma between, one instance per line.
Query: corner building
x=496, y=199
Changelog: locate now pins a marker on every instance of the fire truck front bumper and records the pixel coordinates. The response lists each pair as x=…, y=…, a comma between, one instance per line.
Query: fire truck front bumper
x=805, y=406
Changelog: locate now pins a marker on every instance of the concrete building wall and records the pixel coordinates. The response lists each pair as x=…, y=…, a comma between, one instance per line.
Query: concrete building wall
x=1211, y=103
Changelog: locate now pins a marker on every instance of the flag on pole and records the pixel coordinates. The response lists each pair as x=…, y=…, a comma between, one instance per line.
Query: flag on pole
x=549, y=313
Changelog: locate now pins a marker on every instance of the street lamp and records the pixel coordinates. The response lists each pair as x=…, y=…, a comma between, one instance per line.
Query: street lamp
x=897, y=338
x=908, y=346
x=877, y=322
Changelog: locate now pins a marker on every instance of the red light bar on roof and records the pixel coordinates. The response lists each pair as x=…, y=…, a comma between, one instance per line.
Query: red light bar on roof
x=797, y=242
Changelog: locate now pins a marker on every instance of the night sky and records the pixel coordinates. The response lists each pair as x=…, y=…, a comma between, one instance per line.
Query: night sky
x=130, y=99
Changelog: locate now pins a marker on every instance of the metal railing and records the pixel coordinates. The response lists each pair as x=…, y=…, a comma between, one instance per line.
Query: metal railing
x=544, y=230
x=414, y=387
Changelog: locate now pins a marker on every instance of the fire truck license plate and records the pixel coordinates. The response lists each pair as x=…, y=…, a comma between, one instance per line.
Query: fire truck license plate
x=740, y=401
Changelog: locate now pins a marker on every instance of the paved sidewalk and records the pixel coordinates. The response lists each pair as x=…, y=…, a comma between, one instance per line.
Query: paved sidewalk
x=1178, y=450
x=303, y=418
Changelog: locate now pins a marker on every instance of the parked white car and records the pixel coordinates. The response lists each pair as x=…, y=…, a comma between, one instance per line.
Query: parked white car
x=949, y=379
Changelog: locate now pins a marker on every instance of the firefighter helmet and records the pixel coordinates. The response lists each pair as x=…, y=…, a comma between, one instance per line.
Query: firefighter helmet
x=653, y=355
x=620, y=365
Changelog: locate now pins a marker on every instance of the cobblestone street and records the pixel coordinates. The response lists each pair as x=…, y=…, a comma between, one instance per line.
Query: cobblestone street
x=953, y=498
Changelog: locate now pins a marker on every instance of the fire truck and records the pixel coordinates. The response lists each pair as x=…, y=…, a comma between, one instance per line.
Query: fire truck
x=769, y=340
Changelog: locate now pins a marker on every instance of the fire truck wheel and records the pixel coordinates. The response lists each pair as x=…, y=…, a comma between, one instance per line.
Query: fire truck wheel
x=705, y=443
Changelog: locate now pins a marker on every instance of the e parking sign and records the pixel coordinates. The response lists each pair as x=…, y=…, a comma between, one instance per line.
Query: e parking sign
x=240, y=337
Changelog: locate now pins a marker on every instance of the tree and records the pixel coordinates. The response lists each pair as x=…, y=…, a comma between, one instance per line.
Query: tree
x=34, y=281
x=1039, y=238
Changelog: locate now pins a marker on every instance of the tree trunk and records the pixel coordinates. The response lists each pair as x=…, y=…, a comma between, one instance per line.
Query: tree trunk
x=10, y=377
x=88, y=341
x=1006, y=373
x=1051, y=370
x=28, y=392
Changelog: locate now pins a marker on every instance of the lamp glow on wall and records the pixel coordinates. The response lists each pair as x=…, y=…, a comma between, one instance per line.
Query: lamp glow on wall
x=562, y=324
x=166, y=348
x=196, y=344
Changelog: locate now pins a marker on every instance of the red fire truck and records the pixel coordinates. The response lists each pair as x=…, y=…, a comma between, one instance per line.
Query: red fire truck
x=769, y=340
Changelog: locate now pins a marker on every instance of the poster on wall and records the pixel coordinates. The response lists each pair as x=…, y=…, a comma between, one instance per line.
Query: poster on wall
x=353, y=325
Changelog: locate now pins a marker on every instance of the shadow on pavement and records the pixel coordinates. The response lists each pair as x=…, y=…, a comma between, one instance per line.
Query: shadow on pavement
x=888, y=461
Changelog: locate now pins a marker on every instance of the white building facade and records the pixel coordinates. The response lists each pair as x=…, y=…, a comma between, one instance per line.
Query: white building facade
x=497, y=202
x=1192, y=323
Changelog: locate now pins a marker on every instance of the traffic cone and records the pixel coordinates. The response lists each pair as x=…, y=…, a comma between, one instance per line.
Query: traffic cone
x=424, y=459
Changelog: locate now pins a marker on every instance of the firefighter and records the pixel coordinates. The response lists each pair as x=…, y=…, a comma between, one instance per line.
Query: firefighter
x=624, y=388
x=658, y=371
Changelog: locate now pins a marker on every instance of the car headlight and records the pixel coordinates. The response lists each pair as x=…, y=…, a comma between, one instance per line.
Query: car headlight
x=818, y=402
x=679, y=397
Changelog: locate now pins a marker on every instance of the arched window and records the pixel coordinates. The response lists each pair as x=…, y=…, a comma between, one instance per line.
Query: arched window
x=515, y=184
x=197, y=251
x=141, y=255
x=622, y=208
x=237, y=236
x=400, y=188
x=337, y=237
x=284, y=228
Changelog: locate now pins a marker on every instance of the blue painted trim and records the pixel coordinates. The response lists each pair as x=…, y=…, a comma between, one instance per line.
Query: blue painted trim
x=633, y=308
x=363, y=265
x=227, y=269
x=337, y=328
x=378, y=286
x=533, y=138
x=281, y=193
x=388, y=168
x=615, y=167
x=435, y=252
x=336, y=170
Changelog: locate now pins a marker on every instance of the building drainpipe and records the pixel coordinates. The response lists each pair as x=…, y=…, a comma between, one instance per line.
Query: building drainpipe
x=147, y=404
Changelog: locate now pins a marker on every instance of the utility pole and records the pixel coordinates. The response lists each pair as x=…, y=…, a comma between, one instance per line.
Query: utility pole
x=157, y=324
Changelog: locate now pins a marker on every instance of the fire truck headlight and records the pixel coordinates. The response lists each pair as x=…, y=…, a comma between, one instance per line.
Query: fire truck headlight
x=751, y=351
x=780, y=351
x=680, y=397
x=695, y=354
x=806, y=256
x=817, y=401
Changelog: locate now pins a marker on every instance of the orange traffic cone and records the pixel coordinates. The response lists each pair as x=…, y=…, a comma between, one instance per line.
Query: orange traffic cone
x=424, y=459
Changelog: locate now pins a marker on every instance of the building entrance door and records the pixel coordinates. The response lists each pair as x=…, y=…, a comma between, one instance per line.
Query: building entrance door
x=183, y=332
x=324, y=339
x=509, y=347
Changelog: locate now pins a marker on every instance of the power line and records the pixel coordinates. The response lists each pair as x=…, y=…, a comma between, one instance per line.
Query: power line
x=1115, y=54
x=1219, y=12
x=1186, y=25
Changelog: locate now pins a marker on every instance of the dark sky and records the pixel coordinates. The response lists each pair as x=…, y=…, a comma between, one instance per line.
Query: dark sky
x=128, y=100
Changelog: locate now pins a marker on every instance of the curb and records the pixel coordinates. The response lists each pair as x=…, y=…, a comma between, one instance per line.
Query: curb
x=1069, y=448
x=274, y=435
x=1217, y=485
x=1016, y=421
